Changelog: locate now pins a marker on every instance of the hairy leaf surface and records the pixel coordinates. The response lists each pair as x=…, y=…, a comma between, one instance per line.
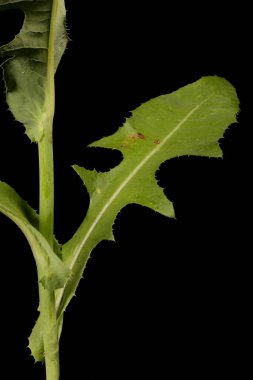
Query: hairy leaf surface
x=189, y=121
x=29, y=57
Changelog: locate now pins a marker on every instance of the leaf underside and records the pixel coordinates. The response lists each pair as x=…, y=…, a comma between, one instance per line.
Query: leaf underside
x=26, y=64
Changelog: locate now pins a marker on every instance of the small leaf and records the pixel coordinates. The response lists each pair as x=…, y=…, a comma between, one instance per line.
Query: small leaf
x=36, y=344
x=26, y=64
x=190, y=121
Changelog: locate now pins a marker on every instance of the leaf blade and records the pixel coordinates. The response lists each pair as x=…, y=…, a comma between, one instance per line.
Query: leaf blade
x=165, y=127
x=54, y=271
x=26, y=68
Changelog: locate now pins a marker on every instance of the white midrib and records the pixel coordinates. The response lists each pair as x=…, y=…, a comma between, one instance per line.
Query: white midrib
x=122, y=186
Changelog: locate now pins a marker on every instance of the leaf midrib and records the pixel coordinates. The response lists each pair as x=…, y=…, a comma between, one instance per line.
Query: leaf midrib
x=123, y=185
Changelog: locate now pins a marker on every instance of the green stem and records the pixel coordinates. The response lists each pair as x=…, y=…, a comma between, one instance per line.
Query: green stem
x=47, y=297
x=46, y=166
x=50, y=333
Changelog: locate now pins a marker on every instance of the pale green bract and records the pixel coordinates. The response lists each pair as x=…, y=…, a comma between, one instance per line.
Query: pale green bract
x=26, y=65
x=189, y=121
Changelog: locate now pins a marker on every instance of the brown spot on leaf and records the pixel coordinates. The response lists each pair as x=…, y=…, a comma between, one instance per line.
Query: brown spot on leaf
x=137, y=135
x=133, y=137
x=157, y=142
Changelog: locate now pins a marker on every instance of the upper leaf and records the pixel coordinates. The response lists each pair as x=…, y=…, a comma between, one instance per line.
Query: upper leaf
x=27, y=64
x=189, y=121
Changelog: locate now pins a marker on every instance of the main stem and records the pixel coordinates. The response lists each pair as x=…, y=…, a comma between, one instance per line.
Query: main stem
x=46, y=166
x=47, y=297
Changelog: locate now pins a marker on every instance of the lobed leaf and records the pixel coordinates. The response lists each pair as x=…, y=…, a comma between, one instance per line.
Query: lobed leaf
x=189, y=121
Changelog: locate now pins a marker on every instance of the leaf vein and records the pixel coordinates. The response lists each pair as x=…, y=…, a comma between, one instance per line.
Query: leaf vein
x=123, y=185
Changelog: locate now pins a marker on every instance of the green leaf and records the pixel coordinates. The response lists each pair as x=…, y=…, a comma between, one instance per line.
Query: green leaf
x=189, y=121
x=51, y=269
x=29, y=59
x=36, y=344
x=36, y=339
x=53, y=272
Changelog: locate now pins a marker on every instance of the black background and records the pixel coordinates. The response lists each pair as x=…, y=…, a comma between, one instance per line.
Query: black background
x=170, y=297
